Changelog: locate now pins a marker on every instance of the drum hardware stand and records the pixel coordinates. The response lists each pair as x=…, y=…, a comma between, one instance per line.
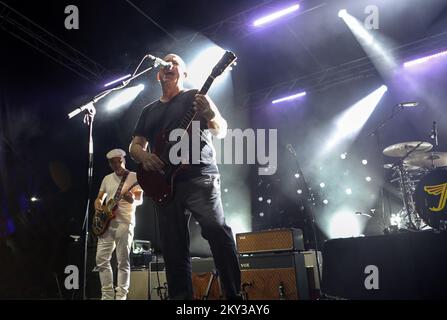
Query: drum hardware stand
x=90, y=111
x=404, y=185
x=376, y=133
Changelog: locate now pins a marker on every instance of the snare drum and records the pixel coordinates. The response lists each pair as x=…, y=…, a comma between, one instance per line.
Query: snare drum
x=431, y=197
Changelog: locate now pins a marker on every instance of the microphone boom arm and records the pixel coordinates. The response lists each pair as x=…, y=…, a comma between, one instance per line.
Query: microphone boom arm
x=104, y=94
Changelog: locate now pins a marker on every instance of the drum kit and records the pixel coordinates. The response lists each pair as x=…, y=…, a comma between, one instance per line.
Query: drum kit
x=421, y=175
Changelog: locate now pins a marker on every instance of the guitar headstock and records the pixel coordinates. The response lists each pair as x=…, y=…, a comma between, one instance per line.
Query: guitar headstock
x=227, y=59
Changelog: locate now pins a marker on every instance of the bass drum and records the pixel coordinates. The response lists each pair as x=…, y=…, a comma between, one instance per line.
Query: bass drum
x=431, y=197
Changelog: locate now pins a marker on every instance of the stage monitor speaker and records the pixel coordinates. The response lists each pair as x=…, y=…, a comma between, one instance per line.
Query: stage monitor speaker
x=276, y=276
x=274, y=240
x=139, y=285
x=409, y=265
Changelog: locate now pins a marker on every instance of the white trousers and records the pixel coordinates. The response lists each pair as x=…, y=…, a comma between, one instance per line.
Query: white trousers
x=119, y=236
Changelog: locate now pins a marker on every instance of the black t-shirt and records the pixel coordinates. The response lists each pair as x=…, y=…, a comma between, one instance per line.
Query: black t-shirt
x=166, y=116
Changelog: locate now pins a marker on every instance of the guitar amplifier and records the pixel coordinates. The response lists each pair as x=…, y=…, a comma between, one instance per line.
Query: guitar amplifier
x=205, y=280
x=270, y=241
x=139, y=284
x=276, y=276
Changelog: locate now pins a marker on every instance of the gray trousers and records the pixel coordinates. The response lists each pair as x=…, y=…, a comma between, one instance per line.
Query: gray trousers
x=201, y=196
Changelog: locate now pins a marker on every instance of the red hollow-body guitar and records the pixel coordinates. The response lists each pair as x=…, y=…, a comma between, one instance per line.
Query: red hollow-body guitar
x=160, y=186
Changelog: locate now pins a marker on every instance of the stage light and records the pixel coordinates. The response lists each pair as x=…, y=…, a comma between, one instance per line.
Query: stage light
x=289, y=98
x=125, y=96
x=201, y=66
x=269, y=201
x=424, y=59
x=225, y=190
x=261, y=214
x=342, y=13
x=118, y=80
x=350, y=122
x=297, y=175
x=34, y=199
x=364, y=162
x=299, y=191
x=374, y=44
x=368, y=179
x=348, y=191
x=322, y=185
x=325, y=201
x=275, y=15
x=344, y=224
x=343, y=156
x=260, y=199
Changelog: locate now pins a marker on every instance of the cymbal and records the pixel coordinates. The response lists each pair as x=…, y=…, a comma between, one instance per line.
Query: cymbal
x=401, y=149
x=428, y=159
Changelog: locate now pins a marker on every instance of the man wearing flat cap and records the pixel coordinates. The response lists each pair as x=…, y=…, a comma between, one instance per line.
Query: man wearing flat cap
x=122, y=186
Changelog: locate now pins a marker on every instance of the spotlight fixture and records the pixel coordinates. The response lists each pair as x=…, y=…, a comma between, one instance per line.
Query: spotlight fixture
x=342, y=13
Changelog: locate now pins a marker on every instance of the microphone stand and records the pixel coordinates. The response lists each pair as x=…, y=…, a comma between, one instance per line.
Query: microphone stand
x=309, y=197
x=376, y=133
x=90, y=111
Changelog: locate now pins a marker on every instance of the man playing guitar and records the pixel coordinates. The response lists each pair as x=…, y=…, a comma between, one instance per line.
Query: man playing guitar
x=119, y=233
x=197, y=188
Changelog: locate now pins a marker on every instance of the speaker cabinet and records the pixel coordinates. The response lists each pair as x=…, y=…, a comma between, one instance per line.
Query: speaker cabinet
x=277, y=276
x=139, y=285
x=205, y=281
x=206, y=286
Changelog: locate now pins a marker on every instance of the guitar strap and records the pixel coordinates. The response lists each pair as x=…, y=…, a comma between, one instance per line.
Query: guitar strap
x=120, y=187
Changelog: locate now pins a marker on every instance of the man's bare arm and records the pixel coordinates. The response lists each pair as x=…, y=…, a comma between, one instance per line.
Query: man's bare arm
x=99, y=200
x=138, y=151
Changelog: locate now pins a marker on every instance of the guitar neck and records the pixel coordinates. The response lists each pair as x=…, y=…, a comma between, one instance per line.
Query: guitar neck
x=130, y=188
x=191, y=114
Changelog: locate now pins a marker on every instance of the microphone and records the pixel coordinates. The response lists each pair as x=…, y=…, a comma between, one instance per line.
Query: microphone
x=434, y=133
x=291, y=149
x=409, y=104
x=160, y=62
